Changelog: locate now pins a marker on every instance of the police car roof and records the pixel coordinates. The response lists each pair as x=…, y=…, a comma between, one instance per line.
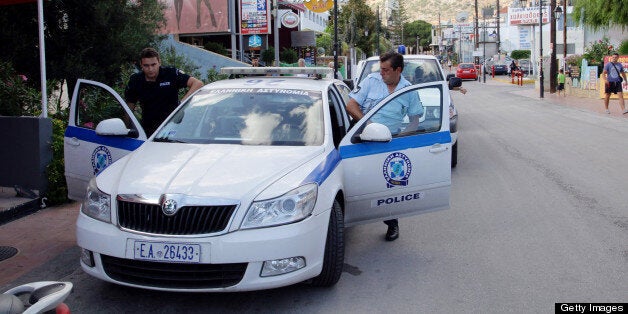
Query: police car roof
x=285, y=82
x=407, y=57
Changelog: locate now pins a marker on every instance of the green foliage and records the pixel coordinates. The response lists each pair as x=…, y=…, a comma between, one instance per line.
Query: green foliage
x=623, y=48
x=268, y=56
x=601, y=13
x=595, y=51
x=57, y=192
x=419, y=28
x=574, y=60
x=170, y=57
x=520, y=54
x=84, y=39
x=288, y=56
x=213, y=75
x=17, y=98
x=326, y=41
x=354, y=18
x=216, y=47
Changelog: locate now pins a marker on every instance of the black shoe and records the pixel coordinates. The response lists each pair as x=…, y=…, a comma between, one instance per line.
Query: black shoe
x=393, y=233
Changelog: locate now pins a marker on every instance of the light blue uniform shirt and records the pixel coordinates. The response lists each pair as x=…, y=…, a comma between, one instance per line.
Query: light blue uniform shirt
x=373, y=89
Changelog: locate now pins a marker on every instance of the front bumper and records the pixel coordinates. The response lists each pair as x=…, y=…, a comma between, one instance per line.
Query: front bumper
x=248, y=247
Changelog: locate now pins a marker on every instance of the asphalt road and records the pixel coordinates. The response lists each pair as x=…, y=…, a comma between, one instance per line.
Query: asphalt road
x=539, y=215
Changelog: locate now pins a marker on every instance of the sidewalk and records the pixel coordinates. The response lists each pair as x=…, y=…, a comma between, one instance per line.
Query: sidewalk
x=34, y=240
x=578, y=98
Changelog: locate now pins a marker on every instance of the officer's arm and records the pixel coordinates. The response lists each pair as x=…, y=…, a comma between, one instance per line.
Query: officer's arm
x=193, y=84
x=353, y=108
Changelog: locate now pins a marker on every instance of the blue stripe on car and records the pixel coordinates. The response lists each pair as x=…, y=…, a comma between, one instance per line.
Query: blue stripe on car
x=89, y=135
x=327, y=166
x=324, y=169
x=397, y=144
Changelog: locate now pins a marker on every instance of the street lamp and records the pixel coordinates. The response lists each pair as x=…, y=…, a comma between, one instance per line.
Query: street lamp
x=417, y=43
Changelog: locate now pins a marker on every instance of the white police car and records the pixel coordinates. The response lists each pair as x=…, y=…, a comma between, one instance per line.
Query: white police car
x=247, y=185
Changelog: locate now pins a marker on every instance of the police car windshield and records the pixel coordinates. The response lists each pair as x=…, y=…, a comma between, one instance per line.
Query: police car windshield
x=248, y=116
x=416, y=71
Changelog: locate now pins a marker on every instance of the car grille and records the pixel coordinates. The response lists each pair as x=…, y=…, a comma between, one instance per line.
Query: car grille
x=173, y=275
x=187, y=220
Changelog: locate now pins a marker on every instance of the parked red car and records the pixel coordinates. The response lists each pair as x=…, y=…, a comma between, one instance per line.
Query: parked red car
x=467, y=71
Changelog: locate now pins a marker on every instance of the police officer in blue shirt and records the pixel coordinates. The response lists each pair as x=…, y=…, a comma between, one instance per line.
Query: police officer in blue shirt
x=376, y=87
x=156, y=88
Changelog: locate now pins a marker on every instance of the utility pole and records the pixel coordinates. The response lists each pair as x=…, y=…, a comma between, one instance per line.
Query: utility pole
x=484, y=46
x=565, y=32
x=438, y=37
x=477, y=27
x=541, y=91
x=377, y=44
x=498, y=37
x=553, y=65
x=335, y=39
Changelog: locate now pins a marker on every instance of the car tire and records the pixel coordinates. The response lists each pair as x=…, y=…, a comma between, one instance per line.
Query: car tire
x=454, y=155
x=334, y=250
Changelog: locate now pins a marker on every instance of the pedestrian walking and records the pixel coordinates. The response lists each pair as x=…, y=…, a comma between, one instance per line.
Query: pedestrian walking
x=560, y=78
x=156, y=88
x=614, y=75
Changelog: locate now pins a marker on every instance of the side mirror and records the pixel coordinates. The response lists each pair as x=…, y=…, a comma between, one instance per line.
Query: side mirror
x=112, y=127
x=455, y=82
x=376, y=132
x=449, y=76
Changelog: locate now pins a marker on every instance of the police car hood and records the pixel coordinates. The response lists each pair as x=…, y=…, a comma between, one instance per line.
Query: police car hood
x=222, y=171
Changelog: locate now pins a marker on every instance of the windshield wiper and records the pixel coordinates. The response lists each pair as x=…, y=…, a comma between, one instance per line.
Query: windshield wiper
x=167, y=140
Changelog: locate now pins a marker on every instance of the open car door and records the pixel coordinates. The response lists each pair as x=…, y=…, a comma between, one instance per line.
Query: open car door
x=398, y=168
x=101, y=129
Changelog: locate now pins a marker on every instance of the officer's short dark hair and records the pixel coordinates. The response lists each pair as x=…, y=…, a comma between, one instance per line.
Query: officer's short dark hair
x=395, y=58
x=149, y=53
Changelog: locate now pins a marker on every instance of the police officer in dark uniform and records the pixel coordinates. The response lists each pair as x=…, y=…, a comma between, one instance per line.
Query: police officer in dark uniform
x=156, y=88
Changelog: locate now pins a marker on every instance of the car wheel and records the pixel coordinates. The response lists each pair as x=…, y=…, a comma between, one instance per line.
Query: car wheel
x=454, y=155
x=334, y=250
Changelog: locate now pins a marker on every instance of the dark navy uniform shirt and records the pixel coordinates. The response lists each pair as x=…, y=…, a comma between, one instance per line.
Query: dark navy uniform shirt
x=157, y=99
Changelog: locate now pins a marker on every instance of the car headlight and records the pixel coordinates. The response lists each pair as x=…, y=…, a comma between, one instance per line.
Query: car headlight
x=291, y=207
x=97, y=204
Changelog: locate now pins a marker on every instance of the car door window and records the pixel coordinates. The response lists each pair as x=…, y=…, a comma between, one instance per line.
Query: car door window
x=413, y=112
x=96, y=104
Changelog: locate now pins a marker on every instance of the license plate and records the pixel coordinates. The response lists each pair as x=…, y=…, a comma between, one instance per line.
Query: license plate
x=167, y=252
x=465, y=71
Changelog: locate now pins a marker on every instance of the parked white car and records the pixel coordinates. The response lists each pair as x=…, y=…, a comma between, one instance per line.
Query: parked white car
x=248, y=184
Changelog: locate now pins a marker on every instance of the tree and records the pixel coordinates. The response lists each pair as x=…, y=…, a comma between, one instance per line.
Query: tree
x=84, y=39
x=601, y=13
x=397, y=21
x=419, y=28
x=354, y=19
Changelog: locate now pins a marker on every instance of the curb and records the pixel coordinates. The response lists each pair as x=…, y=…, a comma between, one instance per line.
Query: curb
x=19, y=211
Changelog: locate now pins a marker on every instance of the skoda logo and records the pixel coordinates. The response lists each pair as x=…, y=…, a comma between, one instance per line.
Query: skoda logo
x=169, y=207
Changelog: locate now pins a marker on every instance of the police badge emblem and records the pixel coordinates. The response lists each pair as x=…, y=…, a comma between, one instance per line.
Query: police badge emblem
x=397, y=169
x=101, y=158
